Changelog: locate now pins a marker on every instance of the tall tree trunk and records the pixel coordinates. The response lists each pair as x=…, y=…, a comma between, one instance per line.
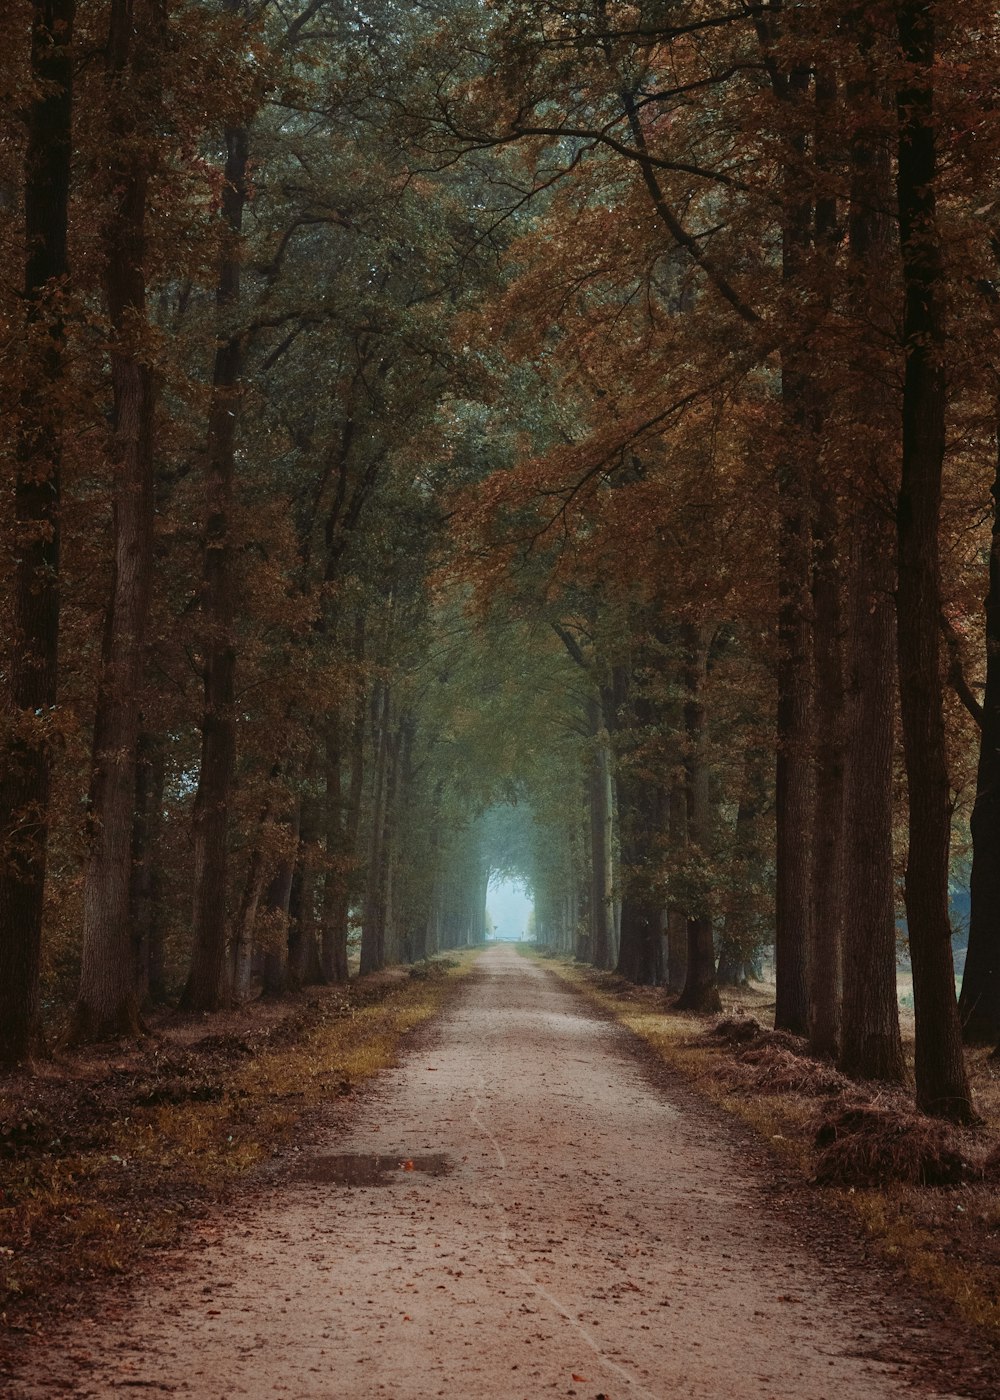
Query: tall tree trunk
x=870, y=1045
x=342, y=821
x=275, y=908
x=642, y=814
x=145, y=911
x=827, y=882
x=700, y=991
x=303, y=947
x=31, y=693
x=600, y=833
x=640, y=952
x=242, y=959
x=794, y=776
x=941, y=1079
x=336, y=883
x=740, y=944
x=106, y=1004
x=826, y=920
x=640, y=957
x=207, y=983
x=676, y=919
x=979, y=1004
x=373, y=914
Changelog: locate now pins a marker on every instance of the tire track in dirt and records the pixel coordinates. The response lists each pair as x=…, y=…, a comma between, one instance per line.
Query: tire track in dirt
x=589, y=1238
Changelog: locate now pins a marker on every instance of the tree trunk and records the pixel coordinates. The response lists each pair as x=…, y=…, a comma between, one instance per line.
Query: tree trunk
x=826, y=952
x=871, y=1047
x=600, y=894
x=700, y=991
x=303, y=947
x=342, y=821
x=207, y=988
x=676, y=920
x=275, y=908
x=979, y=1004
x=941, y=1079
x=106, y=1004
x=640, y=955
x=336, y=883
x=794, y=777
x=31, y=693
x=145, y=911
x=741, y=940
x=641, y=819
x=825, y=959
x=373, y=915
x=241, y=976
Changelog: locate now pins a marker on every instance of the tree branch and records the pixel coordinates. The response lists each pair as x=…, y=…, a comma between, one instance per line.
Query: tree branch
x=956, y=672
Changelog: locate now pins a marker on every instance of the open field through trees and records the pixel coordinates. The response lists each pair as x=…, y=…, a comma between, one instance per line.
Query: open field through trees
x=459, y=443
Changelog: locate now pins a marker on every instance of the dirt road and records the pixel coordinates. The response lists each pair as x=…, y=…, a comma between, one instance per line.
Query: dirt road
x=518, y=1211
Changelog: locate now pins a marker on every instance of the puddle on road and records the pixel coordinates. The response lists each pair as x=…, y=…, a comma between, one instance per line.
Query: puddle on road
x=371, y=1169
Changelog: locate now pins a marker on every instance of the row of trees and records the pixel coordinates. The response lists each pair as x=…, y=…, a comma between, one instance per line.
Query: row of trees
x=223, y=388
x=412, y=414
x=772, y=329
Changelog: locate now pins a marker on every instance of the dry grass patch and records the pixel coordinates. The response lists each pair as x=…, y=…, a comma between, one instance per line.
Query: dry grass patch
x=104, y=1156
x=862, y=1144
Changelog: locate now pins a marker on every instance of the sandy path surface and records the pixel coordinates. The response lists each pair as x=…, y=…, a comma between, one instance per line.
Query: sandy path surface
x=586, y=1238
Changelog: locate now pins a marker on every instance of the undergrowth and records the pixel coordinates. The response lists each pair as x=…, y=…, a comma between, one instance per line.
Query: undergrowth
x=104, y=1157
x=946, y=1234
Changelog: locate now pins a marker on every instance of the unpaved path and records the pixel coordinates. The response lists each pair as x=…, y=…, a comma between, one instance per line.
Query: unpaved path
x=586, y=1238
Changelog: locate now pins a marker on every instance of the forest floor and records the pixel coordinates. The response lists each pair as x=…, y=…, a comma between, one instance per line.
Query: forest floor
x=530, y=1203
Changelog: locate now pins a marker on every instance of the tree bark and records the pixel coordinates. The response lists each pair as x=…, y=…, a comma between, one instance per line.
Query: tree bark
x=676, y=920
x=145, y=908
x=794, y=775
x=373, y=914
x=640, y=957
x=979, y=1003
x=342, y=821
x=31, y=692
x=740, y=943
x=207, y=984
x=275, y=908
x=941, y=1079
x=640, y=952
x=241, y=975
x=600, y=832
x=303, y=947
x=107, y=1005
x=336, y=882
x=871, y=1046
x=827, y=882
x=700, y=991
x=825, y=961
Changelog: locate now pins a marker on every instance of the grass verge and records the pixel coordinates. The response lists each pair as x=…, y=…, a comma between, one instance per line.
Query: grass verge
x=947, y=1238
x=107, y=1156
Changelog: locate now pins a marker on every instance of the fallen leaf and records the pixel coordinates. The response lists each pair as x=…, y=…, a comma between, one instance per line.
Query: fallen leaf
x=575, y=1377
x=407, y=1166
